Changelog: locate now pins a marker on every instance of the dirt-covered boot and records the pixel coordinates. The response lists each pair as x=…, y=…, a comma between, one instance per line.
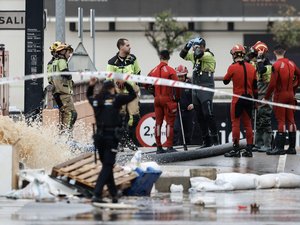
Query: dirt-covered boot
x=235, y=152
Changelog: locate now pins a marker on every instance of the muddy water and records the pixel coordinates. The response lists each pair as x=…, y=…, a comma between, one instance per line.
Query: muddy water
x=38, y=146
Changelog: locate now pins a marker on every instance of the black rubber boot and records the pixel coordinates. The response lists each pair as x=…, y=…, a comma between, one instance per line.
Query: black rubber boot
x=171, y=149
x=98, y=200
x=215, y=139
x=248, y=152
x=115, y=199
x=279, y=145
x=292, y=144
x=235, y=152
x=160, y=150
x=131, y=145
x=206, y=142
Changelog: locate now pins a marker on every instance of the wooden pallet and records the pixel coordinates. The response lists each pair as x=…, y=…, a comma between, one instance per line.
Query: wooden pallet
x=83, y=171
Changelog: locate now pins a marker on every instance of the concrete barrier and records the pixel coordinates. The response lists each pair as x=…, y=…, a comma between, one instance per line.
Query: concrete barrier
x=9, y=162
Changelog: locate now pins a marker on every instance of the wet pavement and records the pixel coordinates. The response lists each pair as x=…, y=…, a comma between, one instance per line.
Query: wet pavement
x=276, y=206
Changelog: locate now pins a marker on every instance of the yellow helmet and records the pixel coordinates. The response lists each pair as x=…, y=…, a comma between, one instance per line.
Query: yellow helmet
x=64, y=46
x=54, y=46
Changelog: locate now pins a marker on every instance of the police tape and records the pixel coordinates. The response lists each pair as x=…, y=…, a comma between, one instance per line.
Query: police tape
x=141, y=79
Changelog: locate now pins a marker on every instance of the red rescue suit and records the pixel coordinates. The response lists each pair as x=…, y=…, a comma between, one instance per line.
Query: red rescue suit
x=165, y=105
x=243, y=76
x=281, y=84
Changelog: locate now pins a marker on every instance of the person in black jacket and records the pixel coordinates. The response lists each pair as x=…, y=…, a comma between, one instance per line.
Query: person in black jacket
x=187, y=110
x=107, y=105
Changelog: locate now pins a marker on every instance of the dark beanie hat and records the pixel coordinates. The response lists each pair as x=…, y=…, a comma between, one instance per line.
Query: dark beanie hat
x=164, y=54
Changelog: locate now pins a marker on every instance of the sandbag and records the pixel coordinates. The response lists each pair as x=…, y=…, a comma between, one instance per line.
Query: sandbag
x=287, y=180
x=266, y=181
x=238, y=180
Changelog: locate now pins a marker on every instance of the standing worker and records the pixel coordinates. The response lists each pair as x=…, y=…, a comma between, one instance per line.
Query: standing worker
x=243, y=76
x=63, y=86
x=124, y=62
x=264, y=132
x=186, y=107
x=204, y=64
x=107, y=105
x=281, y=85
x=165, y=102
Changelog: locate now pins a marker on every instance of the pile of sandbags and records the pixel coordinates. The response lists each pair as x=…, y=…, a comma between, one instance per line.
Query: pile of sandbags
x=239, y=181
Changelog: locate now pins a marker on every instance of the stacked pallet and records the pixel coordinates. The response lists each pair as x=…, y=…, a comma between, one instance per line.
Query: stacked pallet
x=83, y=171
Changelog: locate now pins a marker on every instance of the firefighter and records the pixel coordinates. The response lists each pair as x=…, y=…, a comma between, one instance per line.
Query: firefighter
x=243, y=76
x=281, y=86
x=264, y=132
x=63, y=87
x=204, y=64
x=165, y=102
x=186, y=107
x=52, y=49
x=107, y=105
x=125, y=62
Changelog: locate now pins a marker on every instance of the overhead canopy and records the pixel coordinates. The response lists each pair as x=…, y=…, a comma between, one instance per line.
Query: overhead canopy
x=187, y=9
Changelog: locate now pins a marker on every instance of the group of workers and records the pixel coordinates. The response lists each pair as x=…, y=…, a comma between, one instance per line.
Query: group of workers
x=117, y=111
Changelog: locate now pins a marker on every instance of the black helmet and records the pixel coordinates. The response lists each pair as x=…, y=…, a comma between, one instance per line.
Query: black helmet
x=108, y=84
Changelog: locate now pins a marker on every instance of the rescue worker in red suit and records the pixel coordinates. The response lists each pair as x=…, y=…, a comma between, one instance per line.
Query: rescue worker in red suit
x=243, y=76
x=165, y=102
x=281, y=86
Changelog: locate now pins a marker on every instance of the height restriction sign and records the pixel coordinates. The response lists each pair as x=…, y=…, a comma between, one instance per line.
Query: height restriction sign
x=145, y=130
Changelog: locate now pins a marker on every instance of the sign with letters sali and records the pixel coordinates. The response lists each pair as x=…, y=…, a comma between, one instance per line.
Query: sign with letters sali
x=12, y=20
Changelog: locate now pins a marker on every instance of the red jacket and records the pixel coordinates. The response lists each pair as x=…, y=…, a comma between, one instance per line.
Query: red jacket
x=166, y=72
x=282, y=77
x=235, y=72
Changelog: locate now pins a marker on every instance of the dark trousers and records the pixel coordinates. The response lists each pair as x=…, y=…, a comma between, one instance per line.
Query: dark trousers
x=187, y=121
x=108, y=159
x=205, y=117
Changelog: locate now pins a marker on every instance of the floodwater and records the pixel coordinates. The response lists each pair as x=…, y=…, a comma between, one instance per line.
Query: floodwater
x=275, y=206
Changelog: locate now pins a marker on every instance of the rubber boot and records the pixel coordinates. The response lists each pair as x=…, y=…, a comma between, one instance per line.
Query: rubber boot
x=160, y=150
x=279, y=145
x=248, y=152
x=131, y=145
x=215, y=139
x=206, y=142
x=267, y=137
x=235, y=152
x=98, y=199
x=171, y=149
x=292, y=144
x=259, y=142
x=115, y=199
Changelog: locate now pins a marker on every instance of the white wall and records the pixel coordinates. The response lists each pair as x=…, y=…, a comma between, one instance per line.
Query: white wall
x=219, y=43
x=14, y=41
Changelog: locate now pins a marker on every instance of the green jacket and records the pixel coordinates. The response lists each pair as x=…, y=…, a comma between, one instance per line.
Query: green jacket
x=63, y=84
x=128, y=65
x=207, y=62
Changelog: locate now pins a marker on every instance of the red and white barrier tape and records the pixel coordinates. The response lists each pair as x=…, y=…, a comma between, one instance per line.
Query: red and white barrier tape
x=140, y=79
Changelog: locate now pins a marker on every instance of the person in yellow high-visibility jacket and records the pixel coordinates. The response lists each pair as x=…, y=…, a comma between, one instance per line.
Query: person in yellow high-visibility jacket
x=125, y=62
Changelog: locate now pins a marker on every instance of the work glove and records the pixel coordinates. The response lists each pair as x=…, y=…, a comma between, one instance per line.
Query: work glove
x=190, y=43
x=260, y=57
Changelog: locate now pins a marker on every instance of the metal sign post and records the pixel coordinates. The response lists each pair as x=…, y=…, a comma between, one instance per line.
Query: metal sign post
x=80, y=23
x=92, y=30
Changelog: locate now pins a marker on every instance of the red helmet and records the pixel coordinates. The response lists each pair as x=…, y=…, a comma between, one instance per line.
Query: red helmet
x=238, y=49
x=260, y=47
x=181, y=70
